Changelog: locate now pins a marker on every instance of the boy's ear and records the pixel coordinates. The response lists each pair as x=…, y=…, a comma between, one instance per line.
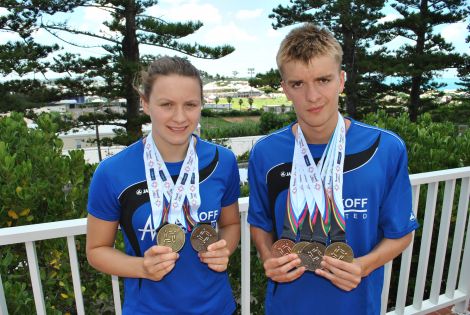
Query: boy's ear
x=342, y=78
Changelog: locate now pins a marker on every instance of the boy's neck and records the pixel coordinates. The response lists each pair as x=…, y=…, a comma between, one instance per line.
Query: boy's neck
x=321, y=134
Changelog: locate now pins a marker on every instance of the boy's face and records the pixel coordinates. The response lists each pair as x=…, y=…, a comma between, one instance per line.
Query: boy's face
x=314, y=90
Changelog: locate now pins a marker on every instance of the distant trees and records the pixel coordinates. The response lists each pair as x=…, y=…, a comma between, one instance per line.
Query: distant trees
x=464, y=68
x=354, y=24
x=250, y=102
x=128, y=29
x=229, y=100
x=364, y=37
x=271, y=78
x=425, y=51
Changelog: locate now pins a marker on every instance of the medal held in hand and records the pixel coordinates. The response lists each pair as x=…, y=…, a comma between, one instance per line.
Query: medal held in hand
x=202, y=236
x=172, y=236
x=311, y=255
x=341, y=251
x=297, y=249
x=282, y=247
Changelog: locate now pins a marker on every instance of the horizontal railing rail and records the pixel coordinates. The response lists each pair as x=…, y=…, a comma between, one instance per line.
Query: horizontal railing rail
x=457, y=290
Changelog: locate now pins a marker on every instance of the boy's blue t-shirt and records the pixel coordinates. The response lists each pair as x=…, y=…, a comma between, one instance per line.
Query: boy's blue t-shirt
x=377, y=205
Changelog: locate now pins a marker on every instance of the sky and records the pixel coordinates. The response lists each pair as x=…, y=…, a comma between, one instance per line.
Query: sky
x=243, y=24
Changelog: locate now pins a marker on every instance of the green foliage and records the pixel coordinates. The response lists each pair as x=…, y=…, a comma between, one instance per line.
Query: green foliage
x=18, y=95
x=227, y=129
x=457, y=112
x=272, y=79
x=243, y=157
x=38, y=184
x=431, y=146
x=270, y=122
x=206, y=112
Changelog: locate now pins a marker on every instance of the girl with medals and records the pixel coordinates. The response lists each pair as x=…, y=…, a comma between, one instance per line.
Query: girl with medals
x=175, y=198
x=328, y=194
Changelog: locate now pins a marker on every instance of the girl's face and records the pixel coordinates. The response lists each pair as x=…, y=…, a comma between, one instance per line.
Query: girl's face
x=174, y=107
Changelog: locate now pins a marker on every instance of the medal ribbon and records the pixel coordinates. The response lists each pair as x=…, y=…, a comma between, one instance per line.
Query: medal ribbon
x=172, y=203
x=320, y=185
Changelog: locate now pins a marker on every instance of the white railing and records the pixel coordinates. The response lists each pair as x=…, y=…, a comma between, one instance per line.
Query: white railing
x=456, y=293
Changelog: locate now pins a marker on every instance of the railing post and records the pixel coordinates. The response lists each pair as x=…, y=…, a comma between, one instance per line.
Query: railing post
x=245, y=260
x=442, y=238
x=77, y=287
x=116, y=295
x=426, y=239
x=3, y=303
x=35, y=278
x=386, y=287
x=464, y=280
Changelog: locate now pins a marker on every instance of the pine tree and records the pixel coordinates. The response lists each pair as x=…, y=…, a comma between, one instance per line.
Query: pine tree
x=353, y=23
x=272, y=78
x=464, y=69
x=428, y=52
x=130, y=28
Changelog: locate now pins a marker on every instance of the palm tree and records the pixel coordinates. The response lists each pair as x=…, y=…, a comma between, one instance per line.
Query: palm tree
x=250, y=101
x=229, y=100
x=240, y=101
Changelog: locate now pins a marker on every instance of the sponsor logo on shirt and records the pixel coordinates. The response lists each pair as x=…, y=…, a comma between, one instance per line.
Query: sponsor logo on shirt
x=148, y=228
x=284, y=174
x=206, y=216
x=355, y=208
x=140, y=192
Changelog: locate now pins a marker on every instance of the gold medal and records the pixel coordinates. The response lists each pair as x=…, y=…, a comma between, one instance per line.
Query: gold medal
x=341, y=251
x=171, y=235
x=202, y=236
x=297, y=249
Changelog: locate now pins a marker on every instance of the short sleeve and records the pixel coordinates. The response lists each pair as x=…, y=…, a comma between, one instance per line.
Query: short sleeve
x=103, y=201
x=396, y=213
x=258, y=209
x=232, y=192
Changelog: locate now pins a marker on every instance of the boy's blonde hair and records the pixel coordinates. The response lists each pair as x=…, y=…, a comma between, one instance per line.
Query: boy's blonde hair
x=307, y=42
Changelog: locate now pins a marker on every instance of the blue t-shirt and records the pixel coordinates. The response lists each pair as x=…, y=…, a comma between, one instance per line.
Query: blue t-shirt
x=377, y=205
x=118, y=192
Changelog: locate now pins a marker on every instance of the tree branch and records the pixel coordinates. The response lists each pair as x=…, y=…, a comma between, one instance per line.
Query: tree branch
x=55, y=27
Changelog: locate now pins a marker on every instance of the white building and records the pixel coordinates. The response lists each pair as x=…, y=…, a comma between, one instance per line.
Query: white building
x=278, y=109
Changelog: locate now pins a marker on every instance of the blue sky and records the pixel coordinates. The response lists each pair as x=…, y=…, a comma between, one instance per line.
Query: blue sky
x=243, y=24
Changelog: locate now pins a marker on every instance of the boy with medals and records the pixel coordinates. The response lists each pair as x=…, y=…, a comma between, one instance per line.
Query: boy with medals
x=166, y=192
x=334, y=199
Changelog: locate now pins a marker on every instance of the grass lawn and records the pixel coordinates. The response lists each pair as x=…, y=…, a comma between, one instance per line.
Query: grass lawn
x=258, y=103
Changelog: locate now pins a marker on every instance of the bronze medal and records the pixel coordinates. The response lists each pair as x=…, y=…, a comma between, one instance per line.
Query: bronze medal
x=202, y=236
x=282, y=247
x=312, y=255
x=341, y=251
x=297, y=249
x=171, y=235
